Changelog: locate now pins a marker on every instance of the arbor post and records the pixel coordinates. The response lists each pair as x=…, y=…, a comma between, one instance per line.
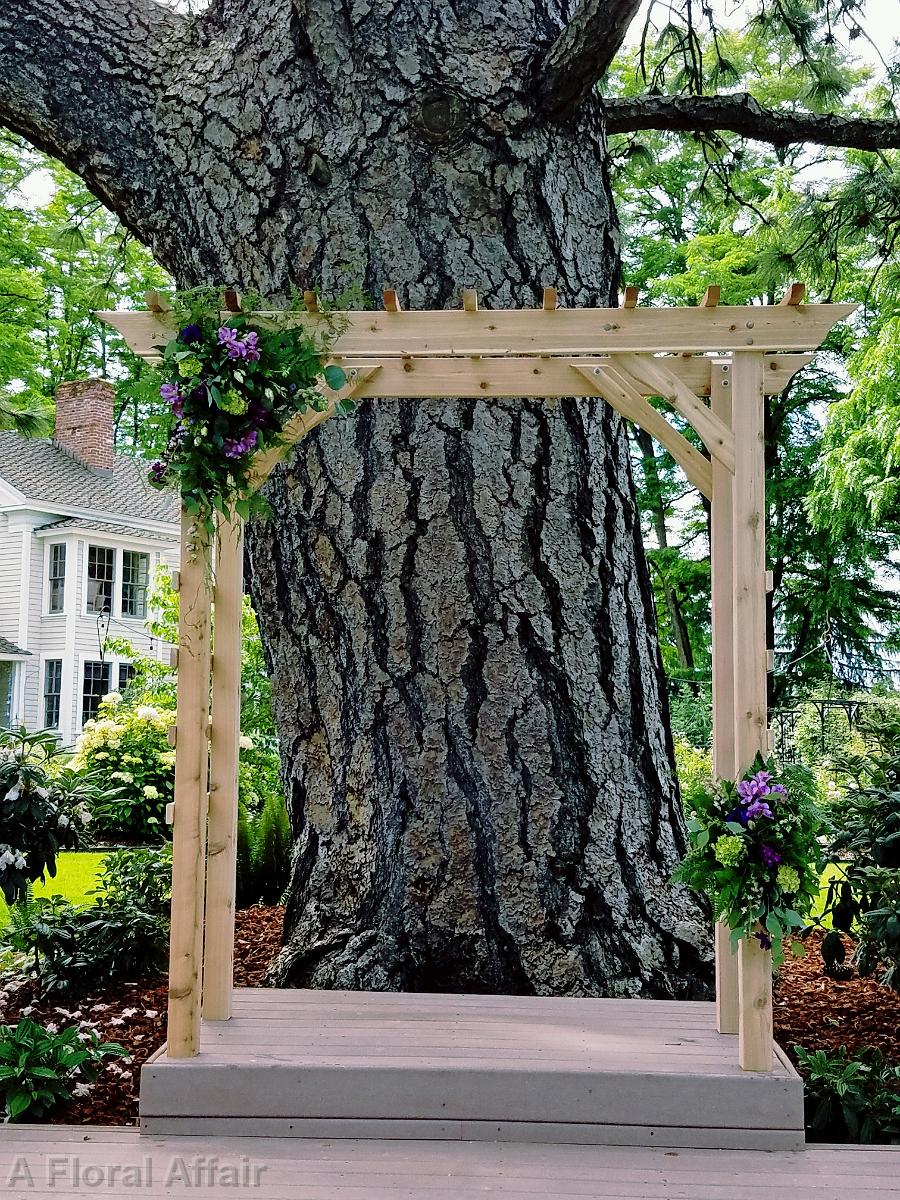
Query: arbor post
x=191, y=774
x=218, y=964
x=723, y=697
x=750, y=666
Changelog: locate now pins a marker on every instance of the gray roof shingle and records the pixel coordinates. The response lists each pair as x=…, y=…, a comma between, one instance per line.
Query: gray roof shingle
x=7, y=648
x=107, y=527
x=42, y=471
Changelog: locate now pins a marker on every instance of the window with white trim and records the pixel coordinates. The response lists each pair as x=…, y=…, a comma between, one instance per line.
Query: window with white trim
x=56, y=601
x=94, y=686
x=101, y=574
x=135, y=580
x=52, y=692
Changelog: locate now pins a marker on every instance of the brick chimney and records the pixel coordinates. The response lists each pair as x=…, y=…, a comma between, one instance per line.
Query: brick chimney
x=84, y=421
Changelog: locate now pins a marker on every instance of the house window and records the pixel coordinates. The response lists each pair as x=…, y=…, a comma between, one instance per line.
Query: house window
x=52, y=692
x=100, y=575
x=135, y=576
x=94, y=686
x=57, y=600
x=7, y=689
x=126, y=674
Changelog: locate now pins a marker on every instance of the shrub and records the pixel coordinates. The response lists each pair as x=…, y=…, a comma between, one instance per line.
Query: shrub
x=263, y=852
x=40, y=813
x=694, y=768
x=129, y=748
x=40, y=1069
x=74, y=948
x=138, y=878
x=850, y=1099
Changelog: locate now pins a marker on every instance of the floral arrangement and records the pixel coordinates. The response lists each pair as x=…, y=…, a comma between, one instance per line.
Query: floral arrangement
x=230, y=385
x=755, y=853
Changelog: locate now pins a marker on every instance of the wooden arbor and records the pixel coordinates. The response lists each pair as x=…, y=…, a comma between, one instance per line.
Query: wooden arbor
x=712, y=364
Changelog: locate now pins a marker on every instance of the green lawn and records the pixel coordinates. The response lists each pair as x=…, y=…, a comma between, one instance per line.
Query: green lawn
x=76, y=875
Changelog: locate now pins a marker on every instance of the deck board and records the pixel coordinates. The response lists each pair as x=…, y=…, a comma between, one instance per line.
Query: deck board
x=425, y=1066
x=309, y=1169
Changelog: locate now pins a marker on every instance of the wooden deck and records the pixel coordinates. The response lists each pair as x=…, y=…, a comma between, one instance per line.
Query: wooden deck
x=364, y=1065
x=86, y=1162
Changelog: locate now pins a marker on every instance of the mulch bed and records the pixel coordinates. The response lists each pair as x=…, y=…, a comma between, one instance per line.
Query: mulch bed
x=819, y=1013
x=134, y=1015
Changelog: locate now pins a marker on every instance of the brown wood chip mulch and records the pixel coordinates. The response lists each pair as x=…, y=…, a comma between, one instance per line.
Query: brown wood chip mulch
x=810, y=1009
x=134, y=1015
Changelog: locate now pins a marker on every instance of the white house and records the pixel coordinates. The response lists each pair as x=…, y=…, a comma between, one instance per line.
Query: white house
x=81, y=532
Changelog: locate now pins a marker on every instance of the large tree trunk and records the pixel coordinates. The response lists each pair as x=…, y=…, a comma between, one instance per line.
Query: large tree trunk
x=453, y=596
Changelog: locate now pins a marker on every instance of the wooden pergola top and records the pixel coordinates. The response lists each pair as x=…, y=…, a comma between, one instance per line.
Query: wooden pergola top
x=535, y=333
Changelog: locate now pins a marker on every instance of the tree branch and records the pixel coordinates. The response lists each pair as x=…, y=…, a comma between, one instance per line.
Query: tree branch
x=79, y=79
x=741, y=114
x=582, y=53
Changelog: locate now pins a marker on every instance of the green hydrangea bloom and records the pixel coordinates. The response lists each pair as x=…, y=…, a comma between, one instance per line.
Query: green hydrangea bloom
x=189, y=366
x=233, y=402
x=729, y=850
x=788, y=879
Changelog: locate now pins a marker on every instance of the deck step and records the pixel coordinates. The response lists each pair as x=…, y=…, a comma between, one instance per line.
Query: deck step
x=421, y=1066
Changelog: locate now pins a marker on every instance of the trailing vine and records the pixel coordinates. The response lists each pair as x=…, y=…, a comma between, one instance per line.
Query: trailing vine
x=231, y=383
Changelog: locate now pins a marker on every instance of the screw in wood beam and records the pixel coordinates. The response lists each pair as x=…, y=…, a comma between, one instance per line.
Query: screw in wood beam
x=311, y=300
x=711, y=296
x=232, y=300
x=794, y=295
x=470, y=300
x=391, y=303
x=550, y=300
x=630, y=298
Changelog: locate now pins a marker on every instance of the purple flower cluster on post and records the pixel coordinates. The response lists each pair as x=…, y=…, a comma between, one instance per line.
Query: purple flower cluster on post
x=757, y=794
x=236, y=447
x=247, y=349
x=170, y=393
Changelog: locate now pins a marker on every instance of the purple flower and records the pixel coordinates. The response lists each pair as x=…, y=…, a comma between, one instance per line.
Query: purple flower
x=191, y=333
x=228, y=338
x=251, y=347
x=758, y=808
x=236, y=447
x=169, y=392
x=770, y=857
x=259, y=414
x=763, y=938
x=158, y=472
x=738, y=814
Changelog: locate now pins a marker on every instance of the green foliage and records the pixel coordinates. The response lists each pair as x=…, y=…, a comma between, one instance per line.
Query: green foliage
x=128, y=747
x=754, y=852
x=690, y=712
x=230, y=389
x=137, y=878
x=867, y=843
x=41, y=812
x=850, y=1099
x=40, y=1069
x=263, y=852
x=695, y=774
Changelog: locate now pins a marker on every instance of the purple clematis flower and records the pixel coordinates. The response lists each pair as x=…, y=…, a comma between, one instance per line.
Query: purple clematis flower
x=191, y=333
x=758, y=808
x=158, y=472
x=770, y=857
x=169, y=392
x=236, y=447
x=251, y=347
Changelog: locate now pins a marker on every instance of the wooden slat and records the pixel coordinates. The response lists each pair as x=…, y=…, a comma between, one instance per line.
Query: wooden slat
x=218, y=957
x=723, y=671
x=191, y=765
x=794, y=295
x=534, y=331
x=470, y=300
x=630, y=297
x=711, y=296
x=550, y=300
x=391, y=303
x=654, y=373
x=627, y=401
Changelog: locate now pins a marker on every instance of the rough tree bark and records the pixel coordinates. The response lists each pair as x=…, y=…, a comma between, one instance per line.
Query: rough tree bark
x=453, y=596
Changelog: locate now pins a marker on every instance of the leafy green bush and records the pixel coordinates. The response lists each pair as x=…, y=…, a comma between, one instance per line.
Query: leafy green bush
x=129, y=748
x=138, y=878
x=41, y=812
x=73, y=948
x=850, y=1099
x=867, y=845
x=263, y=852
x=40, y=1069
x=694, y=768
